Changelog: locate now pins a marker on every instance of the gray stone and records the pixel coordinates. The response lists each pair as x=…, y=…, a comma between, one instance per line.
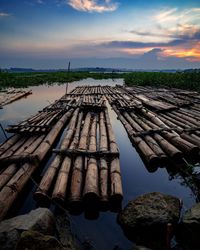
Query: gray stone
x=189, y=227
x=41, y=220
x=32, y=240
x=150, y=218
x=152, y=209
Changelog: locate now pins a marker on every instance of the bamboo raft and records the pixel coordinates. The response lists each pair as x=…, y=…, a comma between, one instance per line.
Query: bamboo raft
x=86, y=167
x=9, y=96
x=163, y=124
x=87, y=162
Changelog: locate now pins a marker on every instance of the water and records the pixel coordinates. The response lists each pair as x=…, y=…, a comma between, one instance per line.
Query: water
x=104, y=232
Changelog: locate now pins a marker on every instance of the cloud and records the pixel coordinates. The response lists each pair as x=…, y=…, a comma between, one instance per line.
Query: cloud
x=175, y=15
x=186, y=32
x=132, y=44
x=93, y=5
x=40, y=1
x=4, y=14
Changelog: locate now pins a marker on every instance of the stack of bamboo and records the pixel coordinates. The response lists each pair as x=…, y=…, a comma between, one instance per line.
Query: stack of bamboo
x=20, y=156
x=9, y=96
x=167, y=134
x=37, y=124
x=86, y=167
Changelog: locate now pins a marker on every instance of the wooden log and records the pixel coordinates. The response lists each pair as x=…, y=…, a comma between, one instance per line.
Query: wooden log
x=182, y=133
x=10, y=192
x=116, y=185
x=102, y=133
x=91, y=189
x=159, y=145
x=116, y=193
x=41, y=195
x=8, y=143
x=111, y=137
x=174, y=138
x=6, y=175
x=77, y=171
x=60, y=188
x=150, y=157
x=103, y=186
x=168, y=148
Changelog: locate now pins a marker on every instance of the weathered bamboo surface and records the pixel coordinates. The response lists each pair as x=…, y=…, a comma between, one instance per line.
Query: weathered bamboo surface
x=86, y=168
x=163, y=124
x=9, y=96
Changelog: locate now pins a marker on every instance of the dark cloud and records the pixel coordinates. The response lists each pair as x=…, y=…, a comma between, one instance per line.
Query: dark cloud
x=187, y=33
x=130, y=44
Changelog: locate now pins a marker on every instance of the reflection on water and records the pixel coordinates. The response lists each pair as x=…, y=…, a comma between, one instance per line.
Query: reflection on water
x=102, y=229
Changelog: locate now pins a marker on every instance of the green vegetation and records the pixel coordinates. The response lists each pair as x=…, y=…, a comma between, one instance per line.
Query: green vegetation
x=184, y=80
x=173, y=80
x=35, y=78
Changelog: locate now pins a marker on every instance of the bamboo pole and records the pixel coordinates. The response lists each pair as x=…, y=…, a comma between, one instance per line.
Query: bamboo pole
x=150, y=157
x=60, y=188
x=91, y=189
x=41, y=194
x=173, y=137
x=78, y=168
x=161, y=143
x=116, y=193
x=8, y=143
x=28, y=148
x=185, y=136
x=10, y=192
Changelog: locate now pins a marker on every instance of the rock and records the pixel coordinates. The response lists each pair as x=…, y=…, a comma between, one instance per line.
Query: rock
x=8, y=240
x=32, y=240
x=63, y=230
x=189, y=228
x=41, y=220
x=140, y=248
x=148, y=215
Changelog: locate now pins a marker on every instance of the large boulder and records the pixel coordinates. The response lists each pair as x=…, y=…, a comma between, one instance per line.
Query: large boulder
x=150, y=215
x=189, y=228
x=40, y=220
x=33, y=240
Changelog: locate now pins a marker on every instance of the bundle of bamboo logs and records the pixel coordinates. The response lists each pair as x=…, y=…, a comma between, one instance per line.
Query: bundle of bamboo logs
x=163, y=124
x=160, y=130
x=9, y=96
x=86, y=167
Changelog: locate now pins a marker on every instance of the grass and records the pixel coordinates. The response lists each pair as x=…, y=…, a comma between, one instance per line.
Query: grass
x=35, y=78
x=181, y=80
x=177, y=80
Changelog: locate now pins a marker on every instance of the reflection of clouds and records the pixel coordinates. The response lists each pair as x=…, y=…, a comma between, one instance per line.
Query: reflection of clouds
x=10, y=113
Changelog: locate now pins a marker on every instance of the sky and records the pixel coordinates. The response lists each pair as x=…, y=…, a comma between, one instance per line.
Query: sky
x=133, y=34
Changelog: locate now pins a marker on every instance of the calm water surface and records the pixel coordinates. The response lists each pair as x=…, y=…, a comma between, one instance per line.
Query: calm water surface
x=103, y=232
